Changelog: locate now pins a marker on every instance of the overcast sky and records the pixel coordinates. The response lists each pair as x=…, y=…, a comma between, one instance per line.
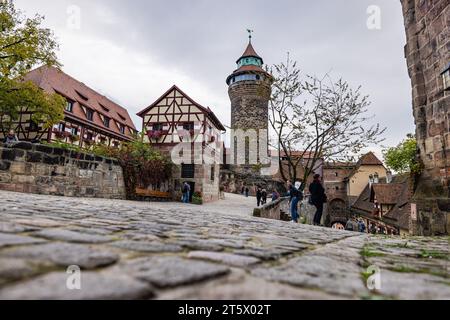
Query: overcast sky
x=133, y=51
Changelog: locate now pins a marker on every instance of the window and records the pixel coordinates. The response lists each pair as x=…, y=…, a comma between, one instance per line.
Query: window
x=104, y=108
x=106, y=122
x=337, y=174
x=89, y=114
x=74, y=131
x=33, y=126
x=69, y=106
x=158, y=127
x=213, y=173
x=187, y=171
x=122, y=129
x=446, y=78
x=62, y=127
x=89, y=136
x=188, y=126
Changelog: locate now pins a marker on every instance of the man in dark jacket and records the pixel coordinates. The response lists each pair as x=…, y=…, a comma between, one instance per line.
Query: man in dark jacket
x=318, y=198
x=259, y=196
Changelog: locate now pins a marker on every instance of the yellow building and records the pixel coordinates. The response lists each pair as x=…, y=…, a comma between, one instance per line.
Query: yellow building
x=368, y=169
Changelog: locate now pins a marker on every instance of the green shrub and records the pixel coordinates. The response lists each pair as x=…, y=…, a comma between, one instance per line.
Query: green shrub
x=197, y=198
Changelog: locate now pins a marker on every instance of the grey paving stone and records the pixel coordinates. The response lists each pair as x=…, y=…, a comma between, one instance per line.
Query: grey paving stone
x=94, y=286
x=225, y=258
x=15, y=269
x=196, y=244
x=166, y=271
x=413, y=286
x=71, y=236
x=147, y=246
x=320, y=272
x=7, y=227
x=8, y=240
x=65, y=254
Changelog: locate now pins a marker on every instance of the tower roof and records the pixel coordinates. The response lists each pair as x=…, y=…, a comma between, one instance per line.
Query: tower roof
x=249, y=52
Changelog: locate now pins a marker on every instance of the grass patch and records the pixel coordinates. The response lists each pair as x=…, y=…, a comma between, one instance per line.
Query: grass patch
x=405, y=269
x=425, y=254
x=399, y=245
x=367, y=253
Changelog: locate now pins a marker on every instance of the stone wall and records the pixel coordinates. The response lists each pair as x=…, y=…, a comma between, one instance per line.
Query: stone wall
x=250, y=109
x=276, y=210
x=202, y=179
x=40, y=169
x=427, y=52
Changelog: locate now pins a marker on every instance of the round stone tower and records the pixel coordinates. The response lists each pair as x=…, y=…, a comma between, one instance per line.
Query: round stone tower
x=250, y=88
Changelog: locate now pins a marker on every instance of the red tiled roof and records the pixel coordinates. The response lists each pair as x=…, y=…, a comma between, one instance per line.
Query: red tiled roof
x=397, y=193
x=370, y=159
x=54, y=80
x=387, y=193
x=250, y=52
x=207, y=111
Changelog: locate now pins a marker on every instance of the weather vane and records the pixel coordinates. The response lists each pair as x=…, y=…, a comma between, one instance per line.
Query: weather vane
x=250, y=32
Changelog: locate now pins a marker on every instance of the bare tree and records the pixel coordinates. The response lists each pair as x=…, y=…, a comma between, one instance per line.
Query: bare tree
x=317, y=118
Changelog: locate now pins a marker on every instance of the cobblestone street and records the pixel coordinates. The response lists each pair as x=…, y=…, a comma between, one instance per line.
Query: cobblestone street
x=134, y=250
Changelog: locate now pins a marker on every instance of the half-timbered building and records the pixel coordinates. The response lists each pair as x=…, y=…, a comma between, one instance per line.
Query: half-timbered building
x=176, y=119
x=89, y=117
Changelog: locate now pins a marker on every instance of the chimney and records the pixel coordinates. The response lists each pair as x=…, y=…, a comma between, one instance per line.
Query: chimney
x=388, y=176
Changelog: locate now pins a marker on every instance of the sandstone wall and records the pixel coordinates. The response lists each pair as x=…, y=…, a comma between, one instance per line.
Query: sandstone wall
x=41, y=169
x=427, y=52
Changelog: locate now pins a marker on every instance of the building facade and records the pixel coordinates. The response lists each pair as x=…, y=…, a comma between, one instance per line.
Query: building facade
x=385, y=205
x=89, y=117
x=191, y=135
x=427, y=52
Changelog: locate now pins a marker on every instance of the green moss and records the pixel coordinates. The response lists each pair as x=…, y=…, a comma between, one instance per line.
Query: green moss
x=368, y=253
x=432, y=254
x=405, y=269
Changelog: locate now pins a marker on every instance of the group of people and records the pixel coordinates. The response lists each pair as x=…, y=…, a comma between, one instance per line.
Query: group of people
x=261, y=197
x=245, y=191
x=317, y=198
x=356, y=225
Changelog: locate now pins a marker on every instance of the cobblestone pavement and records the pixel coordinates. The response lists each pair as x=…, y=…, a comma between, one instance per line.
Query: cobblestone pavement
x=133, y=250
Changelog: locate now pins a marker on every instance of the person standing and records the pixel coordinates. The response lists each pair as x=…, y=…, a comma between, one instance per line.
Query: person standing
x=296, y=196
x=318, y=198
x=349, y=225
x=11, y=137
x=247, y=192
x=264, y=197
x=275, y=195
x=362, y=226
x=186, y=192
x=259, y=196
